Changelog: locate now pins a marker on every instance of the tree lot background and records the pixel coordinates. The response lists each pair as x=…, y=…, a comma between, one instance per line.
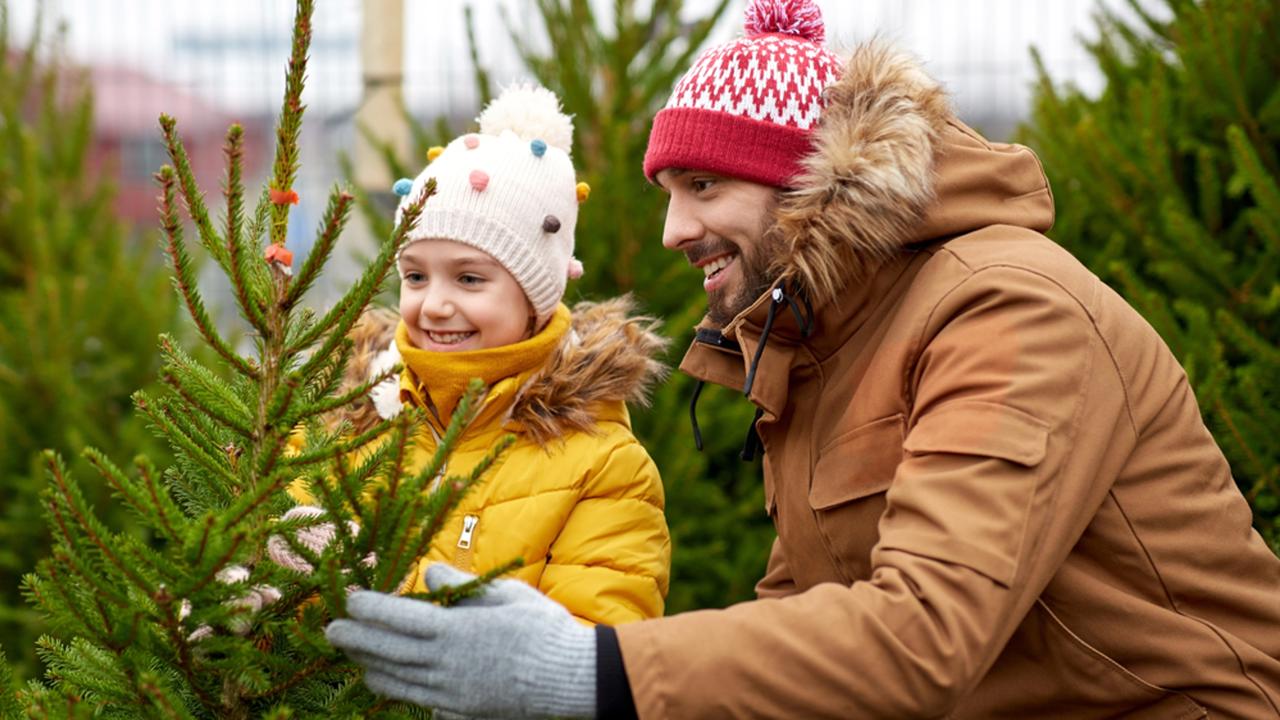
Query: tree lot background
x=1166, y=183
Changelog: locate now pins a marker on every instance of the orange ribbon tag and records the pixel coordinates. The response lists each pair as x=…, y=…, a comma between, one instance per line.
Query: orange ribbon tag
x=284, y=197
x=280, y=254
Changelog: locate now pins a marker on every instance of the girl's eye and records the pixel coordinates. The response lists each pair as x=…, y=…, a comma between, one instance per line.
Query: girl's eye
x=701, y=184
x=470, y=279
x=414, y=277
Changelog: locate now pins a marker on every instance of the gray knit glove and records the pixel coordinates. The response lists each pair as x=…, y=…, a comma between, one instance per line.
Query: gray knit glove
x=509, y=652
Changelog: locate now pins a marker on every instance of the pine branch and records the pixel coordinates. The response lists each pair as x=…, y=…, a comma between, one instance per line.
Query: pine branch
x=209, y=572
x=191, y=194
x=285, y=167
x=393, y=453
x=453, y=594
x=54, y=596
x=143, y=498
x=1262, y=185
x=249, y=294
x=9, y=707
x=163, y=418
x=69, y=497
x=202, y=389
x=185, y=660
x=333, y=403
x=184, y=278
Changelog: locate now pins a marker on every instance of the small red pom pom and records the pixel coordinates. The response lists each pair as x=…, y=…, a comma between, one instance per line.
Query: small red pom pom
x=801, y=18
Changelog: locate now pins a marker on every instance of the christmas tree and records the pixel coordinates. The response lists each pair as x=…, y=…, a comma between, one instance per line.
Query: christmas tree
x=224, y=616
x=1169, y=188
x=82, y=300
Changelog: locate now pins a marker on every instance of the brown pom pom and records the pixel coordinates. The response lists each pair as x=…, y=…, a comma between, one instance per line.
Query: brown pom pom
x=550, y=224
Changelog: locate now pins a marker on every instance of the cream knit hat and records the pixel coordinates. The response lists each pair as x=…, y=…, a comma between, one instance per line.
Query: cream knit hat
x=509, y=190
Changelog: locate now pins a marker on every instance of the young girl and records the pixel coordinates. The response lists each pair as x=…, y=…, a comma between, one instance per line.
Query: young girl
x=482, y=276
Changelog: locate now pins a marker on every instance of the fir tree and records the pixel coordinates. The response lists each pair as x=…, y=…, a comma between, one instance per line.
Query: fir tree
x=1169, y=189
x=613, y=76
x=81, y=302
x=212, y=622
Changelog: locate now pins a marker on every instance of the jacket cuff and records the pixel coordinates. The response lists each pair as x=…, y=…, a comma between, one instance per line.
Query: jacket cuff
x=613, y=692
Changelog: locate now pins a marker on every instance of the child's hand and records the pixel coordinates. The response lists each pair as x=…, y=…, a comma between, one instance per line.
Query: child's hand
x=315, y=538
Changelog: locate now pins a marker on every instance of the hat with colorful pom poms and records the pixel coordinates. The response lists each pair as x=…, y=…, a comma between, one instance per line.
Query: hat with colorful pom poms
x=746, y=108
x=509, y=190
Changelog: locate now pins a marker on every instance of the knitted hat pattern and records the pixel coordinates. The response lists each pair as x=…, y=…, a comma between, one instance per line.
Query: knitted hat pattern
x=509, y=190
x=746, y=108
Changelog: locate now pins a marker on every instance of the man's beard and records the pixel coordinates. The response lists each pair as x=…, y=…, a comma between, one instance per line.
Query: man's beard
x=758, y=275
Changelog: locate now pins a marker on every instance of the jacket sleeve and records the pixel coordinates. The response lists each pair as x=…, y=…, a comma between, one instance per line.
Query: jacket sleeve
x=1017, y=425
x=777, y=580
x=611, y=561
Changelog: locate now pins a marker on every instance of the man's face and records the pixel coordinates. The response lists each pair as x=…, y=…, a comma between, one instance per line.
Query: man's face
x=721, y=224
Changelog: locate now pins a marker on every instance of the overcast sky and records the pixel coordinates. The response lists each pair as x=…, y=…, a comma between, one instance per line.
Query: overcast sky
x=232, y=51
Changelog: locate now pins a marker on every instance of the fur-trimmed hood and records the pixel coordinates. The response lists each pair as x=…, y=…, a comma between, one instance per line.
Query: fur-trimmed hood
x=892, y=167
x=609, y=357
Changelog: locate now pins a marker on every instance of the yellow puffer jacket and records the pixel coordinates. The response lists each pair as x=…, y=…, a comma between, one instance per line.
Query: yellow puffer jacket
x=576, y=496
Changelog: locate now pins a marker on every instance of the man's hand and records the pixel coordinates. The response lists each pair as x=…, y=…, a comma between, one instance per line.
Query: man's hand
x=508, y=652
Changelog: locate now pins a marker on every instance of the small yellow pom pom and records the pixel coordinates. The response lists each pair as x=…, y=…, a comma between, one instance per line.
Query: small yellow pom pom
x=584, y=192
x=434, y=153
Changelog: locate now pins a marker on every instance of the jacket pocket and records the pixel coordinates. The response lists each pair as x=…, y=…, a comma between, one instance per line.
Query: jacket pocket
x=847, y=494
x=1093, y=681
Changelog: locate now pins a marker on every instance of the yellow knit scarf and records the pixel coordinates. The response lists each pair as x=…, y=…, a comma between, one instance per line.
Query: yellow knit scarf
x=438, y=379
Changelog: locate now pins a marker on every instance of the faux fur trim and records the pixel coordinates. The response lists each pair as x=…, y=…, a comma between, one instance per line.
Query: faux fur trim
x=373, y=333
x=609, y=356
x=870, y=178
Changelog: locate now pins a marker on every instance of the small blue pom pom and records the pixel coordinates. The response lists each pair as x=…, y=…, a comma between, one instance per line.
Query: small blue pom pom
x=538, y=147
x=402, y=187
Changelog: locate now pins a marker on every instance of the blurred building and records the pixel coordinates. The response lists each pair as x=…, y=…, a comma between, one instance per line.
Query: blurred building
x=126, y=136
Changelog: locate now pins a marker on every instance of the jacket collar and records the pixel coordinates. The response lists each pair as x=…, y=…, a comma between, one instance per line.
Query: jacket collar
x=608, y=357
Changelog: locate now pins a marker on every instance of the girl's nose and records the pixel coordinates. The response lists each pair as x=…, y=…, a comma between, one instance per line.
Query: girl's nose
x=437, y=304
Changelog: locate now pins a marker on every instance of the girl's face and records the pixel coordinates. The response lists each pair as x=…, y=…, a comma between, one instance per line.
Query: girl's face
x=454, y=297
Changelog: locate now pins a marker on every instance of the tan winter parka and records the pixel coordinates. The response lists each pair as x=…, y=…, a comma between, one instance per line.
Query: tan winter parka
x=993, y=490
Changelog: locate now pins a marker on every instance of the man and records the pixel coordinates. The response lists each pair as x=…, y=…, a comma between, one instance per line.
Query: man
x=993, y=490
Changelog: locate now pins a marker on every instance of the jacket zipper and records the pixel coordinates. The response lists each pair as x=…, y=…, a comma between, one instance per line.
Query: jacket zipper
x=462, y=556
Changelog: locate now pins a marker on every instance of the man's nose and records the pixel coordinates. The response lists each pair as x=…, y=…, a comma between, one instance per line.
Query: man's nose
x=682, y=224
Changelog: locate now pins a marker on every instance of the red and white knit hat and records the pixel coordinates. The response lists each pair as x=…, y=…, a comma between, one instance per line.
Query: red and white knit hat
x=746, y=108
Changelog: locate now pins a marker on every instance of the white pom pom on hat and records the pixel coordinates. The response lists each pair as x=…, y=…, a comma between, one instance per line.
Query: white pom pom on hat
x=532, y=113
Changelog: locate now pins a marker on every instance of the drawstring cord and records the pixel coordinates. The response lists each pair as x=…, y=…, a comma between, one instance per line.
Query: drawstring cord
x=752, y=444
x=804, y=318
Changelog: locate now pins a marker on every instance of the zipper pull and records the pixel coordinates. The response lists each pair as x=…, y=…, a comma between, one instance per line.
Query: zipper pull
x=469, y=523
